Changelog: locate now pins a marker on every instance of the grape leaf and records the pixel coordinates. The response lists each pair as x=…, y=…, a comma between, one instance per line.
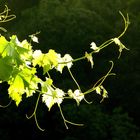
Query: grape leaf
x=5, y=70
x=10, y=49
x=89, y=58
x=16, y=89
x=30, y=80
x=53, y=96
x=3, y=44
x=52, y=57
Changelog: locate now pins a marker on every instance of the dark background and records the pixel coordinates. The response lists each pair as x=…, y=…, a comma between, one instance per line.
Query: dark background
x=69, y=26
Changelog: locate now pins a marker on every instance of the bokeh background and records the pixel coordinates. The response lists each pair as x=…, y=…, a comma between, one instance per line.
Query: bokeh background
x=69, y=26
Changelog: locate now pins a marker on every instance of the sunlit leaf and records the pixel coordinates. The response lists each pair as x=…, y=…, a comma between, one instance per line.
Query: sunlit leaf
x=48, y=98
x=89, y=58
x=37, y=58
x=30, y=80
x=52, y=96
x=3, y=44
x=52, y=57
x=60, y=65
x=6, y=49
x=32, y=86
x=35, y=39
x=98, y=90
x=5, y=70
x=64, y=61
x=46, y=68
x=16, y=89
x=77, y=95
x=59, y=95
x=121, y=46
x=94, y=47
x=12, y=50
x=46, y=84
x=101, y=91
x=105, y=93
x=68, y=60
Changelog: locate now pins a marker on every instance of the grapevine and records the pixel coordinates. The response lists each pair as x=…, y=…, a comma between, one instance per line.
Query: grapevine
x=19, y=64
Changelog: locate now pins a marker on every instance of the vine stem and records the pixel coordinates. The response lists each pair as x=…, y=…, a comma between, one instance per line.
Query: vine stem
x=126, y=24
x=66, y=121
x=3, y=29
x=4, y=106
x=74, y=79
x=78, y=85
x=37, y=123
x=112, y=65
x=101, y=80
x=29, y=117
x=34, y=114
x=106, y=43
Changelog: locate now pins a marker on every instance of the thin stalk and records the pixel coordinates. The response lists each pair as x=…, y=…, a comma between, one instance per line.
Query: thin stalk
x=4, y=106
x=74, y=79
x=66, y=121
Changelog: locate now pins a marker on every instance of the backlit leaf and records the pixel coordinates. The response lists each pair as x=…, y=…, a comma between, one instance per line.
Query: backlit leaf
x=52, y=57
x=16, y=89
x=89, y=58
x=94, y=47
x=5, y=70
x=52, y=96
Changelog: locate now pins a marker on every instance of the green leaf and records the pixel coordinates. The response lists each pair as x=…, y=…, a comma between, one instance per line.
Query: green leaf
x=89, y=58
x=10, y=49
x=68, y=60
x=94, y=47
x=46, y=84
x=32, y=86
x=53, y=96
x=6, y=48
x=16, y=89
x=5, y=70
x=101, y=91
x=30, y=80
x=77, y=95
x=98, y=90
x=64, y=61
x=3, y=44
x=52, y=57
x=34, y=38
x=47, y=61
x=121, y=46
x=105, y=93
x=47, y=98
x=46, y=68
x=37, y=58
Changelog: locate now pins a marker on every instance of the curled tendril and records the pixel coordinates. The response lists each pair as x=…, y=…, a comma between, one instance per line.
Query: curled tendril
x=4, y=106
x=34, y=114
x=126, y=23
x=5, y=17
x=66, y=121
x=101, y=80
